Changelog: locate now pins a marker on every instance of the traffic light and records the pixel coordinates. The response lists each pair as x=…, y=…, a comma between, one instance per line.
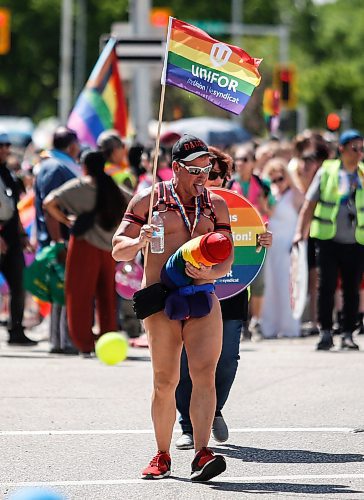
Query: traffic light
x=4, y=30
x=284, y=81
x=271, y=102
x=159, y=16
x=333, y=122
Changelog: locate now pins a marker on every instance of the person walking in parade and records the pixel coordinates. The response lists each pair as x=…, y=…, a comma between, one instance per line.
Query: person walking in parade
x=234, y=313
x=186, y=215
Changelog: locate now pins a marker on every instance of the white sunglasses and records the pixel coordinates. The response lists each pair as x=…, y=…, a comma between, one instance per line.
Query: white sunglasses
x=193, y=170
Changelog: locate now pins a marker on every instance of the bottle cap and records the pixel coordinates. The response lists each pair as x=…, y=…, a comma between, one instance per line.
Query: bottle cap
x=215, y=247
x=155, y=212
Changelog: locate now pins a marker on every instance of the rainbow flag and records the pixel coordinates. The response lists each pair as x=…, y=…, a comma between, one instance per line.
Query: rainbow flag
x=220, y=73
x=101, y=104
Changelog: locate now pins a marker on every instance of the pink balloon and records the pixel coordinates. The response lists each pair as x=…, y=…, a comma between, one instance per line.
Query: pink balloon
x=128, y=279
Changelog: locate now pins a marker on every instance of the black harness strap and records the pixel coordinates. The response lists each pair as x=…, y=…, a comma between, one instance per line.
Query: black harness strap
x=166, y=201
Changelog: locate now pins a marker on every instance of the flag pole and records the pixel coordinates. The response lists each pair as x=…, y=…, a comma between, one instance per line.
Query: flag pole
x=155, y=164
x=160, y=117
x=156, y=154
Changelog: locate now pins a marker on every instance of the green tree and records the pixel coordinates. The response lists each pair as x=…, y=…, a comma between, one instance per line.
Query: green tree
x=325, y=46
x=29, y=73
x=331, y=65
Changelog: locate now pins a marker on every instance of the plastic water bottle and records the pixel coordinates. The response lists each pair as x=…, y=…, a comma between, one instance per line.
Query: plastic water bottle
x=157, y=241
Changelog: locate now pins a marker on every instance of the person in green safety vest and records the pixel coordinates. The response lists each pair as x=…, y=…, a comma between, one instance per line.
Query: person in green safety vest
x=116, y=162
x=333, y=213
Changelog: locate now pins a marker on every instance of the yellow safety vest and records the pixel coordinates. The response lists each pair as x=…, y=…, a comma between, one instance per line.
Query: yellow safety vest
x=121, y=175
x=323, y=225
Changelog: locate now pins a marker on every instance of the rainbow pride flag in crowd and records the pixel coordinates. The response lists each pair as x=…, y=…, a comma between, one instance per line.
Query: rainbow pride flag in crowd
x=220, y=73
x=101, y=104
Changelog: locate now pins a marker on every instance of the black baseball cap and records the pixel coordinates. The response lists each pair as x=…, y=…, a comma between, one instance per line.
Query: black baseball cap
x=188, y=148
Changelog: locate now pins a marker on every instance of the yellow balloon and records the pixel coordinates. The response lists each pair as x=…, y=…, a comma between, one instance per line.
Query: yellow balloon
x=112, y=348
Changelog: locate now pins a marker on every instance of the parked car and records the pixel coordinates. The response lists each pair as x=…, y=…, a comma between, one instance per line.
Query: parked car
x=19, y=129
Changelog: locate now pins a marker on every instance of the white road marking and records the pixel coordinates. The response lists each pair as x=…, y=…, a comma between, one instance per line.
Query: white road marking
x=81, y=432
x=222, y=479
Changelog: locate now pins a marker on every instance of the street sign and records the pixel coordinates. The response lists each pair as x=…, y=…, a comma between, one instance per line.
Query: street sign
x=211, y=27
x=139, y=50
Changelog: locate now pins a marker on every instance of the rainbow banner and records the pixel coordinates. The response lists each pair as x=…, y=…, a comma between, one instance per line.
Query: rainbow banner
x=222, y=74
x=246, y=225
x=101, y=104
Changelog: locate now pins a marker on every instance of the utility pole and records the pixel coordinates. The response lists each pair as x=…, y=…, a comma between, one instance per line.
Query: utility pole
x=141, y=98
x=236, y=20
x=65, y=69
x=80, y=46
x=236, y=24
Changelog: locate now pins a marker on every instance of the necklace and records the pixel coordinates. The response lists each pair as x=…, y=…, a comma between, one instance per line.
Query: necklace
x=181, y=208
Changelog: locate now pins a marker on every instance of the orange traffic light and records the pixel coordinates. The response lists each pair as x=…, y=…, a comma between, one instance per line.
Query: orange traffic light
x=333, y=121
x=4, y=30
x=159, y=16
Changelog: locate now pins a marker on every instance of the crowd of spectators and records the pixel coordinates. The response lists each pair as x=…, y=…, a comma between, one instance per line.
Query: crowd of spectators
x=77, y=202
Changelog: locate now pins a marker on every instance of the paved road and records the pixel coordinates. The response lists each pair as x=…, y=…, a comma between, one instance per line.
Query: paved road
x=83, y=429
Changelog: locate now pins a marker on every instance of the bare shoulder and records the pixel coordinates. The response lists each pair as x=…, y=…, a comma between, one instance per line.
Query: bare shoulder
x=220, y=208
x=135, y=215
x=139, y=204
x=218, y=201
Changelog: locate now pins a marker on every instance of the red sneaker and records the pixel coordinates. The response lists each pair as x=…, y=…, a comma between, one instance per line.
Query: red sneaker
x=159, y=467
x=207, y=465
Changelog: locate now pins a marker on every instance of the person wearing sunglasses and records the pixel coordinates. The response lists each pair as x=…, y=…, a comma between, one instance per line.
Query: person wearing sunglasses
x=277, y=318
x=333, y=213
x=257, y=191
x=234, y=314
x=13, y=240
x=188, y=210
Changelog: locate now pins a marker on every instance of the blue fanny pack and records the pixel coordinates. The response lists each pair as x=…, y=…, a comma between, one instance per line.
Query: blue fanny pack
x=193, y=289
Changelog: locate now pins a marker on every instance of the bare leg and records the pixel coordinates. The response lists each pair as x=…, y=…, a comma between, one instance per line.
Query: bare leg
x=256, y=304
x=203, y=341
x=165, y=343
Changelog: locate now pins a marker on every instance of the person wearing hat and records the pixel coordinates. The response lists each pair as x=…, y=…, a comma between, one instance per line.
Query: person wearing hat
x=13, y=240
x=188, y=210
x=333, y=213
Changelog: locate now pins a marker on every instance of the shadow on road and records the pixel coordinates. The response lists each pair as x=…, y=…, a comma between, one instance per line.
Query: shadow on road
x=29, y=356
x=261, y=455
x=308, y=489
x=313, y=489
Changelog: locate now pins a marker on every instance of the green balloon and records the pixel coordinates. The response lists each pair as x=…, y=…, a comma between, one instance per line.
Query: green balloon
x=112, y=348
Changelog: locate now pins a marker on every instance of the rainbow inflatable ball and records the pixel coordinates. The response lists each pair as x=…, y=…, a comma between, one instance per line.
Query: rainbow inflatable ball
x=185, y=299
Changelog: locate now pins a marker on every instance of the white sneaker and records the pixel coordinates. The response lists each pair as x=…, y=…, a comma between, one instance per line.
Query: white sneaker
x=185, y=442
